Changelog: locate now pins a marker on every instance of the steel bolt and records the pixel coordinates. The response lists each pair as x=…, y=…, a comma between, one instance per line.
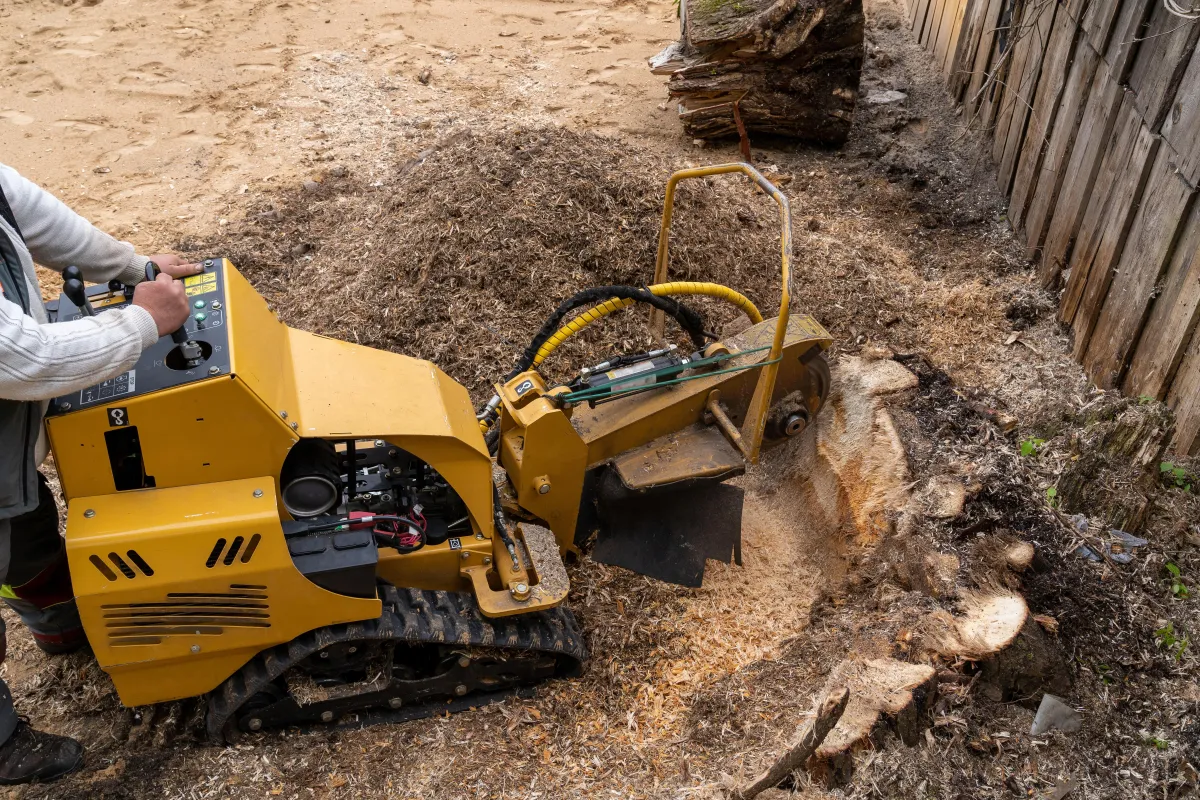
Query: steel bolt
x=395, y=702
x=352, y=650
x=91, y=512
x=392, y=453
x=460, y=690
x=487, y=561
x=214, y=370
x=208, y=262
x=65, y=406
x=396, y=470
x=258, y=492
x=465, y=556
x=295, y=425
x=216, y=306
x=521, y=588
x=254, y=724
x=283, y=414
x=325, y=654
x=195, y=648
x=380, y=442
x=464, y=662
x=326, y=716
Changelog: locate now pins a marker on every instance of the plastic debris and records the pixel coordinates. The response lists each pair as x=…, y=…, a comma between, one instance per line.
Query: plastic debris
x=1055, y=714
x=1121, y=547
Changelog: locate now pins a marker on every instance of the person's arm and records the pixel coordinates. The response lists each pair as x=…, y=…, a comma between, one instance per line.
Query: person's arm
x=57, y=237
x=41, y=362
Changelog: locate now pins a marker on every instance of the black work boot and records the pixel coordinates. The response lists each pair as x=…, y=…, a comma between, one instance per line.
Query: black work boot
x=31, y=756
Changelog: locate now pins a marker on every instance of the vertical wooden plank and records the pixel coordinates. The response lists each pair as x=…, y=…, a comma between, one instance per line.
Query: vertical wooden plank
x=1098, y=20
x=966, y=47
x=1104, y=210
x=950, y=65
x=1184, y=397
x=1153, y=234
x=1053, y=173
x=1126, y=36
x=941, y=43
x=1114, y=233
x=1079, y=177
x=1042, y=118
x=933, y=19
x=917, y=23
x=1159, y=64
x=1182, y=122
x=1025, y=90
x=1003, y=52
x=973, y=97
x=1173, y=318
x=1019, y=41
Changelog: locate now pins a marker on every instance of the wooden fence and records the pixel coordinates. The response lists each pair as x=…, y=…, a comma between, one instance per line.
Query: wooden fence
x=1092, y=108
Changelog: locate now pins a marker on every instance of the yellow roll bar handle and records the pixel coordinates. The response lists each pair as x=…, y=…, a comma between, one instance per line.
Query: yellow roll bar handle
x=756, y=414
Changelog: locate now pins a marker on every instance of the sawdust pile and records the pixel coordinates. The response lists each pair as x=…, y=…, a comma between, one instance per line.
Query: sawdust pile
x=459, y=254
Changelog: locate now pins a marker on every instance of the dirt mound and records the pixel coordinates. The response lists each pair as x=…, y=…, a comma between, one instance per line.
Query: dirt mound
x=460, y=254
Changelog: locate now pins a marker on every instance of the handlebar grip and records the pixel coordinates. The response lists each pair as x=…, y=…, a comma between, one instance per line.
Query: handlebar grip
x=179, y=336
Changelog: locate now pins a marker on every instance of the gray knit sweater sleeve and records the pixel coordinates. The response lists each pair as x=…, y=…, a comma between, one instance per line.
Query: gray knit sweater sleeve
x=57, y=237
x=41, y=362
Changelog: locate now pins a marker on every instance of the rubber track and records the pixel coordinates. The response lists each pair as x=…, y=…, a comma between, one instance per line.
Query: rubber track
x=409, y=615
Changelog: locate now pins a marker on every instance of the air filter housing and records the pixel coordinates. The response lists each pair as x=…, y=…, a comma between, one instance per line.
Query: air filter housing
x=310, y=482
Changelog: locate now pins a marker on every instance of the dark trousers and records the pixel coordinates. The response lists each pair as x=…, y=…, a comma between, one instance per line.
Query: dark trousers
x=36, y=584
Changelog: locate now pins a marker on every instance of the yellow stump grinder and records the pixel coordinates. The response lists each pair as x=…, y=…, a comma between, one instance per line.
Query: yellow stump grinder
x=245, y=522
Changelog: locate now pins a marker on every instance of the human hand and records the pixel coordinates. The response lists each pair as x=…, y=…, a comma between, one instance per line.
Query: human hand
x=175, y=266
x=166, y=300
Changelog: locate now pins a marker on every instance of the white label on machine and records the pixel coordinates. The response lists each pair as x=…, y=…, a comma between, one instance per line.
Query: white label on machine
x=643, y=366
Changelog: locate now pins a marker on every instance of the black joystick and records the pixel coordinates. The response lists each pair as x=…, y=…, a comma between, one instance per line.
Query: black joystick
x=73, y=289
x=190, y=353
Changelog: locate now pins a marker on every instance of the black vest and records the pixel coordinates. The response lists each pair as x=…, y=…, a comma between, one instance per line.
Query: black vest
x=20, y=422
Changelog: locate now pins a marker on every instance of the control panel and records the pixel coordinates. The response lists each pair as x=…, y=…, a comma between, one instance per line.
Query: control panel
x=199, y=350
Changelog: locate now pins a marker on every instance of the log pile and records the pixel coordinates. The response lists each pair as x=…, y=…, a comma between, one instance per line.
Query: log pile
x=790, y=67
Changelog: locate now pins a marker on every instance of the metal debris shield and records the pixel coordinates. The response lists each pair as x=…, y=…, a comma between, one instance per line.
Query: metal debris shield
x=669, y=535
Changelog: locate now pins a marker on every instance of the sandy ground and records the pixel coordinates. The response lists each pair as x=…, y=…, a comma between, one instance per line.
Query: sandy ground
x=195, y=124
x=144, y=113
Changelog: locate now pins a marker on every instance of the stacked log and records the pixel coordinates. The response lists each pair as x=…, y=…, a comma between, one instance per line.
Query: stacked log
x=787, y=67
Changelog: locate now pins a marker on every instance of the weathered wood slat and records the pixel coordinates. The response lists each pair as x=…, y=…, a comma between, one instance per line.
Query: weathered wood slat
x=1115, y=229
x=1098, y=19
x=1183, y=121
x=1001, y=66
x=1126, y=36
x=974, y=96
x=933, y=18
x=1160, y=62
x=1075, y=10
x=1058, y=153
x=1041, y=120
x=1147, y=254
x=1018, y=39
x=950, y=64
x=1184, y=397
x=948, y=25
x=917, y=22
x=1079, y=177
x=964, y=51
x=1036, y=38
x=1099, y=217
x=1173, y=318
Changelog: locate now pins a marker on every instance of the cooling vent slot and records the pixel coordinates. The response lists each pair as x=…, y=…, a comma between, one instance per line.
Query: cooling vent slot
x=235, y=547
x=122, y=565
x=187, y=614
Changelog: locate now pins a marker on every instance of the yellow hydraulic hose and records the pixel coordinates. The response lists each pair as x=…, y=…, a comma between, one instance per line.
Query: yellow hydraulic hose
x=672, y=289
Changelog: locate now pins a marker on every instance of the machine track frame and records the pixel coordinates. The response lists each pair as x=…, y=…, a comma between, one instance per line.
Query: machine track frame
x=544, y=645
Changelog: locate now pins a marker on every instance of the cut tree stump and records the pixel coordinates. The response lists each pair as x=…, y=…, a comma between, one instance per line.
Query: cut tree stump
x=791, y=67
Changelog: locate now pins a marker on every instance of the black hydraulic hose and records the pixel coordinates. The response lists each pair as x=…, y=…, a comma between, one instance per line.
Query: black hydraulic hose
x=688, y=319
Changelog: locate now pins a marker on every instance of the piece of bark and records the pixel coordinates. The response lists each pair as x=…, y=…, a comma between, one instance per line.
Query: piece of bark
x=829, y=711
x=790, y=66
